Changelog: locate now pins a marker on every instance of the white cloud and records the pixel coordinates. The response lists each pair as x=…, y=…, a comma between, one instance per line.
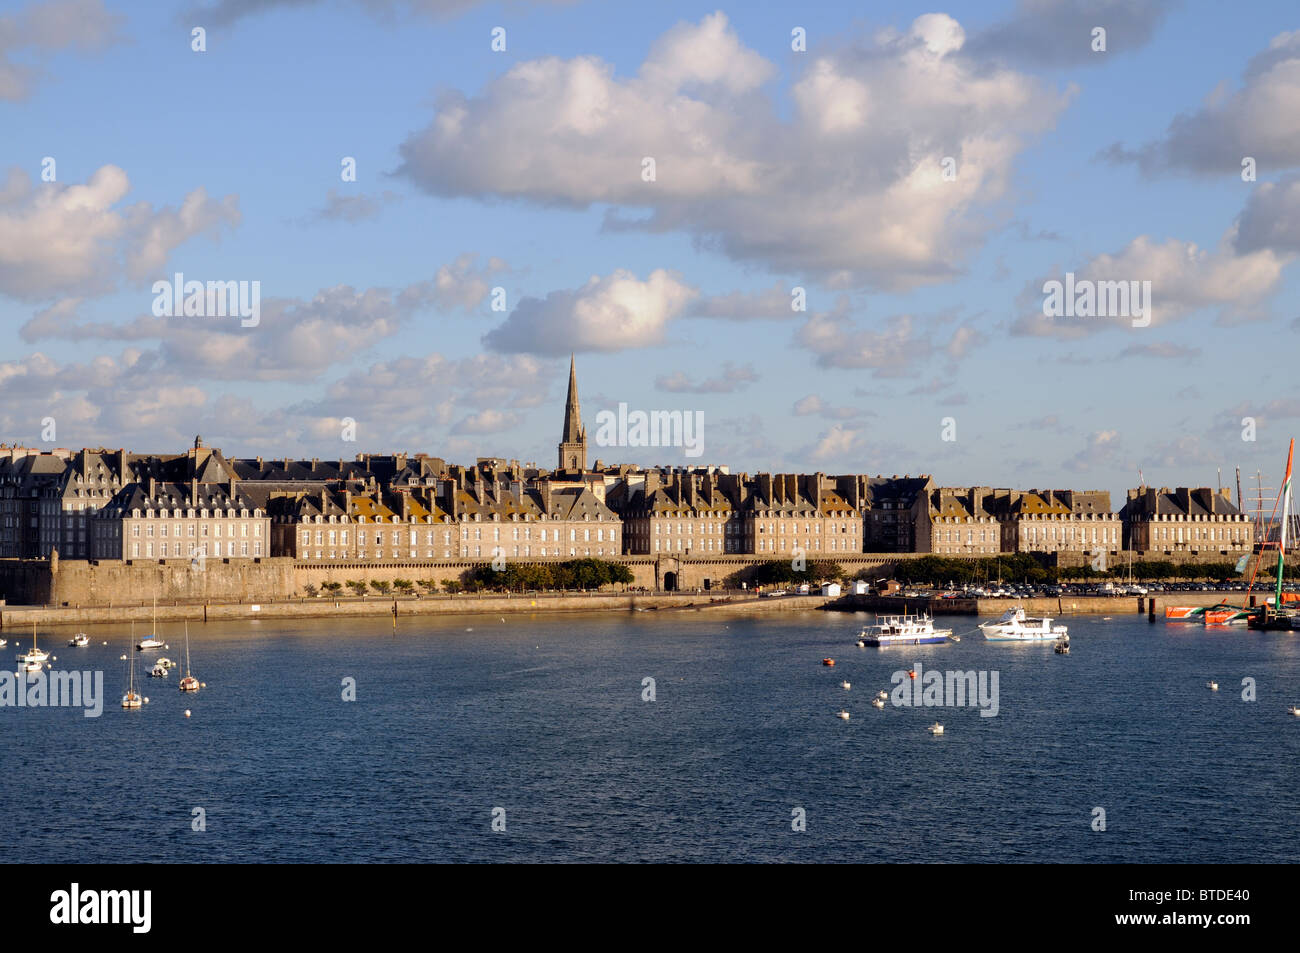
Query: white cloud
x=849, y=188
x=732, y=379
x=1059, y=32
x=612, y=313
x=1261, y=119
x=58, y=239
x=1184, y=279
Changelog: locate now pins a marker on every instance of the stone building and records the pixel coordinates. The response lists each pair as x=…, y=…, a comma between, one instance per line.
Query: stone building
x=891, y=508
x=956, y=522
x=1058, y=521
x=1185, y=520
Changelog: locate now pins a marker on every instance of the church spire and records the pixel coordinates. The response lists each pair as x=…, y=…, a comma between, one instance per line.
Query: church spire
x=573, y=440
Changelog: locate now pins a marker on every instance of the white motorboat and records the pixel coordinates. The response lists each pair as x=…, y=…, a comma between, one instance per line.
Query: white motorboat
x=902, y=630
x=33, y=666
x=1015, y=626
x=882, y=695
x=846, y=685
x=1212, y=686
x=164, y=662
x=878, y=702
x=844, y=714
x=152, y=642
x=935, y=729
x=80, y=640
x=1294, y=709
x=158, y=671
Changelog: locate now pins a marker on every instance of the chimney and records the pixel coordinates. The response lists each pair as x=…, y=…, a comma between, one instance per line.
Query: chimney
x=153, y=488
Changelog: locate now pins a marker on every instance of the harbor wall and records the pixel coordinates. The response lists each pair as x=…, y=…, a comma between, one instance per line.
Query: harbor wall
x=12, y=617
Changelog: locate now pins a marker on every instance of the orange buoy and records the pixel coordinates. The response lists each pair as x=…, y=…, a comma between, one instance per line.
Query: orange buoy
x=911, y=674
x=828, y=661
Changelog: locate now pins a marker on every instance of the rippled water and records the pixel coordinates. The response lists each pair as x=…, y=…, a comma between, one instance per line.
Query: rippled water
x=544, y=717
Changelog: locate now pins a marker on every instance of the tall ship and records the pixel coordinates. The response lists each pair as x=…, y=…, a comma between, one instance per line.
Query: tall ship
x=1015, y=626
x=902, y=630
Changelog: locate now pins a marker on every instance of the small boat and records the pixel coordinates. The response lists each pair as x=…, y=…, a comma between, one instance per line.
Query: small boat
x=33, y=666
x=1015, y=626
x=878, y=702
x=132, y=698
x=36, y=654
x=3, y=643
x=828, y=661
x=882, y=695
x=1184, y=613
x=1063, y=646
x=152, y=642
x=164, y=662
x=1212, y=686
x=1294, y=709
x=935, y=729
x=902, y=630
x=844, y=714
x=189, y=683
x=158, y=671
x=80, y=640
x=845, y=685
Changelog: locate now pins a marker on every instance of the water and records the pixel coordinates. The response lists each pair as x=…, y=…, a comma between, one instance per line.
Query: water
x=544, y=717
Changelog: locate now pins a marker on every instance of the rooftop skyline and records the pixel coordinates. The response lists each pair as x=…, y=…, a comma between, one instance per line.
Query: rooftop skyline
x=775, y=170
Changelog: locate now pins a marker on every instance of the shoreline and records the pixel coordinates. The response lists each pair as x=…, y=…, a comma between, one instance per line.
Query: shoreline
x=17, y=617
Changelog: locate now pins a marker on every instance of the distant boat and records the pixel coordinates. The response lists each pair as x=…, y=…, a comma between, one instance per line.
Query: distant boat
x=189, y=683
x=845, y=685
x=80, y=640
x=844, y=714
x=1015, y=626
x=882, y=695
x=33, y=666
x=935, y=729
x=36, y=654
x=828, y=662
x=164, y=662
x=152, y=641
x=1294, y=709
x=878, y=702
x=132, y=698
x=1212, y=686
x=158, y=671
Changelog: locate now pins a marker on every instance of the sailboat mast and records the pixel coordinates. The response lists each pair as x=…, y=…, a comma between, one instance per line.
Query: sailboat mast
x=1286, y=509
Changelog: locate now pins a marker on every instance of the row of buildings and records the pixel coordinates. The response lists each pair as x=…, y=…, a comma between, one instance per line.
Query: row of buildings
x=112, y=504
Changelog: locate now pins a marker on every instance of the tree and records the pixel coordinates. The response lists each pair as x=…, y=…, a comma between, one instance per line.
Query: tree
x=310, y=590
x=381, y=586
x=358, y=588
x=332, y=587
x=404, y=586
x=451, y=587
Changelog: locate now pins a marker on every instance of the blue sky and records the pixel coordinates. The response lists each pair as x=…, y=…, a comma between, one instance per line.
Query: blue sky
x=775, y=169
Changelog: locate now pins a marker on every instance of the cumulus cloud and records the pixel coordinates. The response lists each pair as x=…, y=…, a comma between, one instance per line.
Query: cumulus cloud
x=41, y=29
x=1184, y=279
x=849, y=187
x=612, y=313
x=1261, y=119
x=464, y=284
x=731, y=379
x=1271, y=218
x=891, y=349
x=1059, y=32
x=59, y=240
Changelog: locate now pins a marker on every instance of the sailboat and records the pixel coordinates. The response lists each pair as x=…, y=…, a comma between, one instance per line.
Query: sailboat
x=1274, y=616
x=36, y=654
x=152, y=642
x=189, y=683
x=132, y=698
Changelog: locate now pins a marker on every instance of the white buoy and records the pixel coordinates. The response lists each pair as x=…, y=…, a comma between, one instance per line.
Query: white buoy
x=187, y=713
x=146, y=699
x=103, y=643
